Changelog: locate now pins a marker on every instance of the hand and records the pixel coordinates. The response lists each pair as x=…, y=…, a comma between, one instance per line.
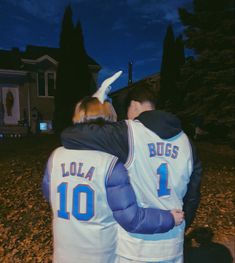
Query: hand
x=178, y=215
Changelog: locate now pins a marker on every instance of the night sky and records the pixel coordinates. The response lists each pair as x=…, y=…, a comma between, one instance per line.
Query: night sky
x=115, y=31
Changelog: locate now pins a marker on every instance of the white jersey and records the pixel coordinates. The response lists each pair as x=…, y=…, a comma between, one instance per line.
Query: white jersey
x=159, y=172
x=83, y=226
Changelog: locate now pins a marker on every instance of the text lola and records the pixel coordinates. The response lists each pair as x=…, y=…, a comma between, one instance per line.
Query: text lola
x=76, y=169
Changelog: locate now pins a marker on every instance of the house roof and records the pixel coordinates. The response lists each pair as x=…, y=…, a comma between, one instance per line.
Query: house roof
x=149, y=81
x=35, y=52
x=12, y=59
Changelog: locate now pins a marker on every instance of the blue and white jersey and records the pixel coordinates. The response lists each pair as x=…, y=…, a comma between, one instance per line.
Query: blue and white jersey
x=84, y=229
x=159, y=172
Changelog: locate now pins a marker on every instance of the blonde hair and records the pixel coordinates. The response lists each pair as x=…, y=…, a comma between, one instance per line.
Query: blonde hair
x=91, y=108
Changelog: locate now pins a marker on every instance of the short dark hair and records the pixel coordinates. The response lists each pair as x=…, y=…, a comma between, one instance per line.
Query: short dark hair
x=203, y=235
x=141, y=94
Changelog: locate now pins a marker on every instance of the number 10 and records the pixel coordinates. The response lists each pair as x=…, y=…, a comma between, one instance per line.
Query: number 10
x=76, y=202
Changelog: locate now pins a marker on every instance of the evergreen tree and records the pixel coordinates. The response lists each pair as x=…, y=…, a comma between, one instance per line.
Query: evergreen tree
x=179, y=62
x=167, y=82
x=208, y=79
x=179, y=55
x=74, y=78
x=172, y=60
x=61, y=116
x=85, y=83
x=66, y=33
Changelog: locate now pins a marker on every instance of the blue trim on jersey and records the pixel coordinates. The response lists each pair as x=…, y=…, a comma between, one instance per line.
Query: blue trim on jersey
x=173, y=233
x=110, y=169
x=175, y=137
x=131, y=145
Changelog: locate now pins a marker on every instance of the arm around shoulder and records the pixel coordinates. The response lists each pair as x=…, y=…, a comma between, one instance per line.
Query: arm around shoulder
x=110, y=138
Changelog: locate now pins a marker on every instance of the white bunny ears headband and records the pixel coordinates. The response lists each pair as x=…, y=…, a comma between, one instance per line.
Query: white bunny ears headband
x=102, y=93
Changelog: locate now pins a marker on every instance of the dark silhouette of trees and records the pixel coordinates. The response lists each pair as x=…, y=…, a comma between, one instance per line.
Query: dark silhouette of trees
x=85, y=80
x=179, y=55
x=167, y=82
x=208, y=78
x=172, y=60
x=74, y=79
x=62, y=111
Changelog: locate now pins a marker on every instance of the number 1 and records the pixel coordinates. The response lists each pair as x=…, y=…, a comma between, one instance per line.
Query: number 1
x=162, y=171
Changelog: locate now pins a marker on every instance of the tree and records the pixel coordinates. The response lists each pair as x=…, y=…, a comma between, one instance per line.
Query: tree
x=85, y=83
x=172, y=60
x=74, y=79
x=167, y=82
x=179, y=55
x=62, y=113
x=208, y=78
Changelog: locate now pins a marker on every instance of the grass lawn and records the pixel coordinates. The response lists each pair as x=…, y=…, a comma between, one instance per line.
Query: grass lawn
x=25, y=218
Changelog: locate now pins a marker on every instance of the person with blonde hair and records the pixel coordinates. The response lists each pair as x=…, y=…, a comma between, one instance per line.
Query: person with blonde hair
x=82, y=187
x=90, y=109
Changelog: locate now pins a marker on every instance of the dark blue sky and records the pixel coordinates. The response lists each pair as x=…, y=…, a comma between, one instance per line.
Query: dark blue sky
x=115, y=31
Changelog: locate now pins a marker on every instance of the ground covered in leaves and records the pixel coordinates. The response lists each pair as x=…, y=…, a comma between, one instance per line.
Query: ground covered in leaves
x=25, y=218
x=217, y=206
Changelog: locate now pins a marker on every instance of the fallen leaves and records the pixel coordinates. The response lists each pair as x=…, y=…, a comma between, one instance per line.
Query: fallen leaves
x=25, y=222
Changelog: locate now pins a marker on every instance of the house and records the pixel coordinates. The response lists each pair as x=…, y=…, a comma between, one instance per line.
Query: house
x=119, y=97
x=27, y=87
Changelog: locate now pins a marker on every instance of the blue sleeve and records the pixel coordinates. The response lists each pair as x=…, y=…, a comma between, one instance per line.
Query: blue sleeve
x=122, y=200
x=46, y=180
x=192, y=197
